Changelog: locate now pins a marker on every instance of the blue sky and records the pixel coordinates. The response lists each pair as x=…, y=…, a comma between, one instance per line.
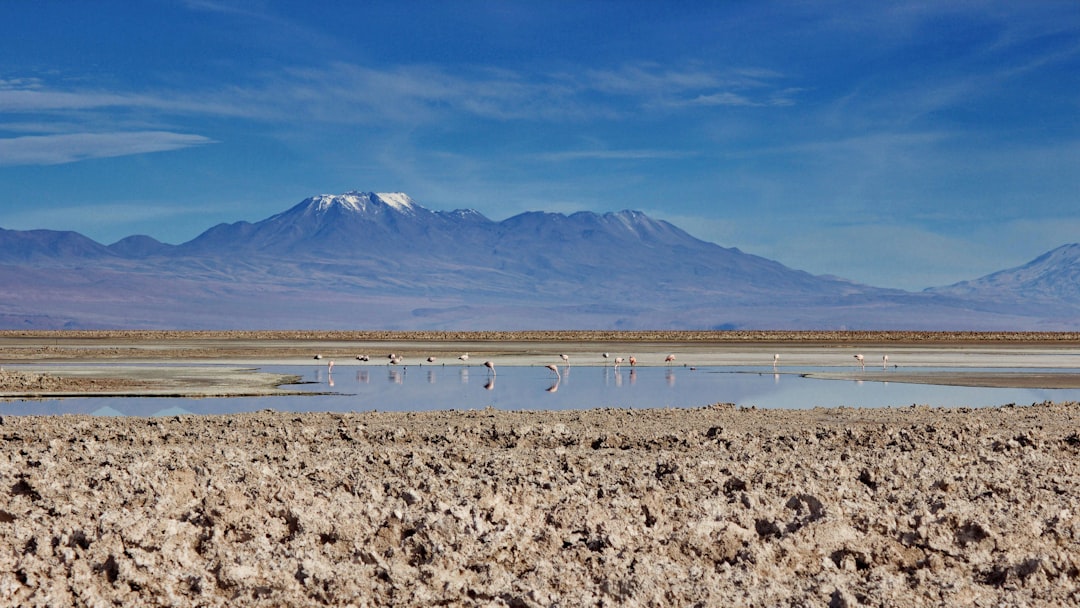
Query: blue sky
x=900, y=144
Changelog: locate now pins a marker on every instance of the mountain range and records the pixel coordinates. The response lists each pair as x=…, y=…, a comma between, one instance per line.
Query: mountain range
x=381, y=261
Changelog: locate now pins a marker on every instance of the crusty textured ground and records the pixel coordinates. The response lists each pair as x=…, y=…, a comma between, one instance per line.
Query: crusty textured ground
x=22, y=382
x=714, y=506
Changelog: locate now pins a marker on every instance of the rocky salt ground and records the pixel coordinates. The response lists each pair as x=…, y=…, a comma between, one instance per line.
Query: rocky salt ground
x=714, y=506
x=31, y=382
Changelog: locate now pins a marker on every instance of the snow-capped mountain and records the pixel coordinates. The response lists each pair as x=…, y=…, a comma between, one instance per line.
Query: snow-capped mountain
x=381, y=260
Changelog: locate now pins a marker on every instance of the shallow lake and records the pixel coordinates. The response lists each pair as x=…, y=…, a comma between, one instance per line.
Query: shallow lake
x=418, y=388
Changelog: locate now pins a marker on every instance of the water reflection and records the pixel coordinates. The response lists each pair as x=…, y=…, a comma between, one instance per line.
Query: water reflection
x=542, y=387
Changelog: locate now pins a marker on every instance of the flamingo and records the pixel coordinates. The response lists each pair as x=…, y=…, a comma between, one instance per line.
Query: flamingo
x=464, y=358
x=317, y=357
x=565, y=358
x=431, y=359
x=775, y=360
x=330, y=367
x=618, y=362
x=884, y=361
x=669, y=359
x=363, y=358
x=862, y=363
x=633, y=361
x=555, y=368
x=490, y=366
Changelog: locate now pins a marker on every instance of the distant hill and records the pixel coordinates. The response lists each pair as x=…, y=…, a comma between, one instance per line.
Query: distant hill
x=1055, y=275
x=364, y=260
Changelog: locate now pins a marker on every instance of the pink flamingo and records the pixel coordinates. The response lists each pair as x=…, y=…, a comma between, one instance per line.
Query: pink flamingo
x=490, y=366
x=555, y=368
x=862, y=363
x=669, y=359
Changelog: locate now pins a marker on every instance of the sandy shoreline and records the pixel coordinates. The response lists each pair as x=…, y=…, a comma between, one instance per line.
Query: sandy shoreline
x=718, y=506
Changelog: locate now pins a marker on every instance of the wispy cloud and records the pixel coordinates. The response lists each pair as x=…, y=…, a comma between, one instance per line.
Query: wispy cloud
x=644, y=154
x=349, y=93
x=654, y=85
x=72, y=147
x=43, y=100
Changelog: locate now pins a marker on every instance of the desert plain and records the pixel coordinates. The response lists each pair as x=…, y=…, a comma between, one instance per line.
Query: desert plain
x=715, y=505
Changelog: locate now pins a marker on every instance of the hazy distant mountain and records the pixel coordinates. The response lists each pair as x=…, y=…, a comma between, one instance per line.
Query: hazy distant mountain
x=37, y=245
x=1055, y=275
x=366, y=260
x=139, y=246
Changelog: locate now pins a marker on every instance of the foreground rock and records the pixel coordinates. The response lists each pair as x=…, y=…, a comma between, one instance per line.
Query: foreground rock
x=661, y=507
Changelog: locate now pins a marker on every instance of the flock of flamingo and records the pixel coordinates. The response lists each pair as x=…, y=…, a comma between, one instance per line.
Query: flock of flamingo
x=396, y=359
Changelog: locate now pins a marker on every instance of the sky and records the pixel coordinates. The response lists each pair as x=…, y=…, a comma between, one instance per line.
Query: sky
x=902, y=144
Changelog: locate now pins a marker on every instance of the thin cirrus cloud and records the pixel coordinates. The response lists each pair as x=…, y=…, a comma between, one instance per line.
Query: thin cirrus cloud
x=640, y=154
x=72, y=147
x=350, y=93
x=347, y=92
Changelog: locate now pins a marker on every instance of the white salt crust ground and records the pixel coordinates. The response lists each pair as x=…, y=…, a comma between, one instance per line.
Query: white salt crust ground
x=713, y=506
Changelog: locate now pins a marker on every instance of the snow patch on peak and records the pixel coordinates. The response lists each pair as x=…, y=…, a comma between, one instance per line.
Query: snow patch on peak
x=361, y=201
x=397, y=200
x=354, y=201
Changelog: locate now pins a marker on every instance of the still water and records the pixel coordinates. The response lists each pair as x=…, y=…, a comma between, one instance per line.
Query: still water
x=419, y=388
